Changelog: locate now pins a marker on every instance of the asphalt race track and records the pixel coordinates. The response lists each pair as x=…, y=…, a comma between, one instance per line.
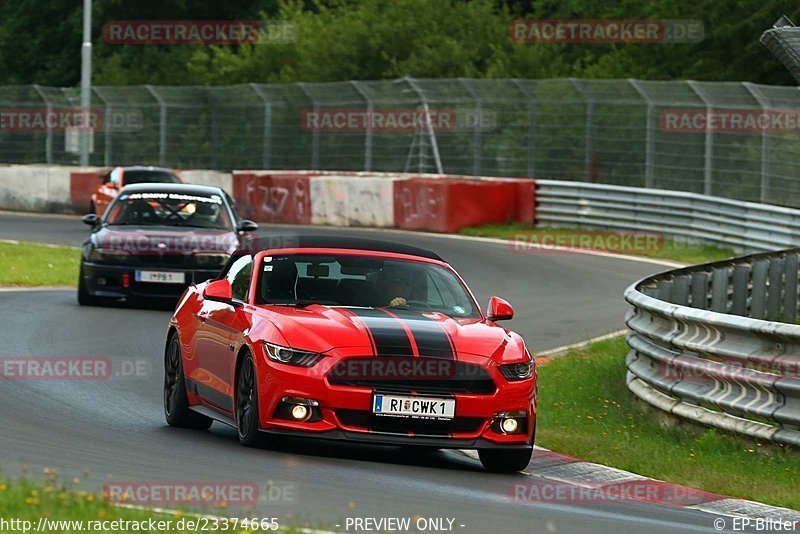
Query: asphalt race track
x=114, y=430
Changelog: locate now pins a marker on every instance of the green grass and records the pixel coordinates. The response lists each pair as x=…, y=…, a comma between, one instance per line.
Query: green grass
x=27, y=264
x=668, y=249
x=60, y=502
x=586, y=410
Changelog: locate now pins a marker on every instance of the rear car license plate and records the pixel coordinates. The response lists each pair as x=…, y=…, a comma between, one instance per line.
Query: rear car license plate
x=161, y=277
x=412, y=406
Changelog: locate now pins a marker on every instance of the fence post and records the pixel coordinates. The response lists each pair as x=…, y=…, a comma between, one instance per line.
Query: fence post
x=531, y=101
x=429, y=126
x=368, y=136
x=649, y=180
x=48, y=143
x=315, y=134
x=266, y=140
x=162, y=126
x=106, y=127
x=709, y=141
x=477, y=148
x=758, y=95
x=589, y=136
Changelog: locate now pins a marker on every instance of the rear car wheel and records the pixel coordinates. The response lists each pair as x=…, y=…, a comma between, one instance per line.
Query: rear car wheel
x=176, y=405
x=247, y=403
x=505, y=460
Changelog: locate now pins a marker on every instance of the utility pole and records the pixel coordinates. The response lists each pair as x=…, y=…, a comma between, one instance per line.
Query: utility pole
x=86, y=81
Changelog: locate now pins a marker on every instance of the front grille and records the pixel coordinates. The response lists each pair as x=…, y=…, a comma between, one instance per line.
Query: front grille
x=162, y=260
x=457, y=377
x=402, y=425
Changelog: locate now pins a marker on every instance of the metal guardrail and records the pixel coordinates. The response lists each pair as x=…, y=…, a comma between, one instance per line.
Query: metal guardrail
x=747, y=226
x=705, y=344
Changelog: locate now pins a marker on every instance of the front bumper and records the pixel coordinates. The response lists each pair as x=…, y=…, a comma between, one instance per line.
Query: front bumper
x=345, y=412
x=107, y=281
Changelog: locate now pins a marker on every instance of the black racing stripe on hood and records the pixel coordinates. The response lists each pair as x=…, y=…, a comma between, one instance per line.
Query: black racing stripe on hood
x=431, y=338
x=391, y=339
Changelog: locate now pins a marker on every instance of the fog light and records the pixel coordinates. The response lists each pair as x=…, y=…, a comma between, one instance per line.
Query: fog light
x=300, y=412
x=126, y=281
x=509, y=425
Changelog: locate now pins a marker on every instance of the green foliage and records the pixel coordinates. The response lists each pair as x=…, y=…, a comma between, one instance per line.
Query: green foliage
x=375, y=39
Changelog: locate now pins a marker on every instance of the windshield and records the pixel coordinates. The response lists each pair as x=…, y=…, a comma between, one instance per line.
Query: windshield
x=169, y=209
x=150, y=177
x=350, y=280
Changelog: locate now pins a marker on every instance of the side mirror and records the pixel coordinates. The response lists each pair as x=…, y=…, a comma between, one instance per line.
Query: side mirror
x=219, y=290
x=499, y=310
x=247, y=226
x=92, y=219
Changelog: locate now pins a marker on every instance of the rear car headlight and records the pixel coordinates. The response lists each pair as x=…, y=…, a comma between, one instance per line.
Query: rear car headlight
x=514, y=372
x=211, y=259
x=298, y=358
x=108, y=255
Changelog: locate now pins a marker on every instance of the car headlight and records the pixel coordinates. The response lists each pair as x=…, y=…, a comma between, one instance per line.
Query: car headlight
x=211, y=259
x=514, y=372
x=298, y=358
x=108, y=255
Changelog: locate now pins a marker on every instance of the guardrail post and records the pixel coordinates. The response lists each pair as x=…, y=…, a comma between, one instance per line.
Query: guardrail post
x=741, y=277
x=680, y=290
x=774, y=290
x=719, y=290
x=700, y=290
x=532, y=112
x=709, y=141
x=790, y=288
x=759, y=298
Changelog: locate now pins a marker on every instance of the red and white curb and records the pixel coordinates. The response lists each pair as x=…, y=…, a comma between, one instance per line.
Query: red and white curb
x=596, y=483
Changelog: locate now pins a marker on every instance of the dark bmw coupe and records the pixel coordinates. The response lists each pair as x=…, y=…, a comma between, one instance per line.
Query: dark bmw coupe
x=154, y=240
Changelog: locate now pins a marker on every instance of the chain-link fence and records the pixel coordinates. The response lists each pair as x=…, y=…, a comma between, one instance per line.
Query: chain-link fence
x=730, y=139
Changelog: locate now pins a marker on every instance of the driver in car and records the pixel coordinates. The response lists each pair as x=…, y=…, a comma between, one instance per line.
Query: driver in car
x=398, y=285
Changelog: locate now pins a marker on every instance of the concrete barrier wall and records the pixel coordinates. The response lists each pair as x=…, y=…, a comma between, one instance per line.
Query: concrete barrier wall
x=43, y=188
x=438, y=203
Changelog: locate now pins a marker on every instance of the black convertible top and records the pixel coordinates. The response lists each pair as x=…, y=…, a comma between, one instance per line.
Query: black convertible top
x=322, y=241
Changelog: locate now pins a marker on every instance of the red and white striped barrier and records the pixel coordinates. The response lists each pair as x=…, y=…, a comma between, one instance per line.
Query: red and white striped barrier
x=437, y=203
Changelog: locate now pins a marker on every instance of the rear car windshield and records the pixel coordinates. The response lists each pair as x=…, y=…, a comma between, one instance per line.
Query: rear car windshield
x=169, y=209
x=149, y=177
x=363, y=281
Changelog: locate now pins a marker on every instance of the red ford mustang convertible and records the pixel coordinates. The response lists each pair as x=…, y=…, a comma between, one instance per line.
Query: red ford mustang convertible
x=351, y=339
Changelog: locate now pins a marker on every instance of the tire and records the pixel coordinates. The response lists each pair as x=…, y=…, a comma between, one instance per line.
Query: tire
x=176, y=405
x=84, y=297
x=247, y=403
x=505, y=460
